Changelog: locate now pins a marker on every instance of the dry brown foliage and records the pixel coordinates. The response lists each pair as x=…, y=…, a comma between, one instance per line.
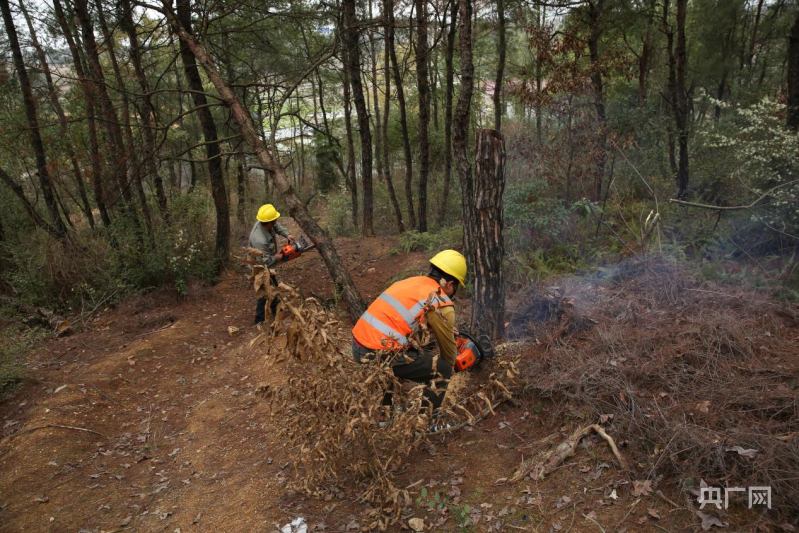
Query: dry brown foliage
x=689, y=372
x=331, y=405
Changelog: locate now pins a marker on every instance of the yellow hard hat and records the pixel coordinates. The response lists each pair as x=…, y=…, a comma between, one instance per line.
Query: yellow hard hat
x=268, y=213
x=452, y=263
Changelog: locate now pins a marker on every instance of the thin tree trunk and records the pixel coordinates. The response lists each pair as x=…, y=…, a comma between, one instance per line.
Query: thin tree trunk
x=354, y=66
x=386, y=110
x=32, y=213
x=319, y=236
x=671, y=87
x=62, y=119
x=350, y=176
x=596, y=12
x=751, y=54
x=42, y=170
x=460, y=129
x=539, y=82
x=450, y=89
x=146, y=107
x=376, y=98
x=134, y=176
x=681, y=111
x=423, y=84
x=488, y=308
x=501, y=48
x=646, y=55
x=793, y=76
x=406, y=142
x=212, y=150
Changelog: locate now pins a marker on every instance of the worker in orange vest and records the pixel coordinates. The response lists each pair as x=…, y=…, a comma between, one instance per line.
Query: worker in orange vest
x=394, y=316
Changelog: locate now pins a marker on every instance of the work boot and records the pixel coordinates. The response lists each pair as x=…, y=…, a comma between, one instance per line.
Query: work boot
x=439, y=425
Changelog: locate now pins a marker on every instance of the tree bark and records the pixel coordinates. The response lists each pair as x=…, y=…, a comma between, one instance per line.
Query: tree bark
x=681, y=110
x=501, y=49
x=793, y=76
x=595, y=12
x=386, y=110
x=341, y=277
x=350, y=176
x=354, y=66
x=488, y=301
x=450, y=89
x=62, y=119
x=406, y=142
x=45, y=181
x=423, y=84
x=376, y=98
x=460, y=129
x=671, y=87
x=212, y=150
x=146, y=107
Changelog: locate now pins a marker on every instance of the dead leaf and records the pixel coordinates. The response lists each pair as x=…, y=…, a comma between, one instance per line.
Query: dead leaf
x=654, y=513
x=233, y=331
x=703, y=407
x=604, y=418
x=126, y=521
x=416, y=524
x=557, y=526
x=709, y=520
x=501, y=481
x=62, y=328
x=749, y=453
x=42, y=499
x=642, y=488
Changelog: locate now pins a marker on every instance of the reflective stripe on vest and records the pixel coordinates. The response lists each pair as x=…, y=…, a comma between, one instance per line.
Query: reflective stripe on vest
x=392, y=316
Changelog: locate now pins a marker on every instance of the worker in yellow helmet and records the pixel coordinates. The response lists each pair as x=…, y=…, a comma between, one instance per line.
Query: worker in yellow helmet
x=393, y=317
x=264, y=237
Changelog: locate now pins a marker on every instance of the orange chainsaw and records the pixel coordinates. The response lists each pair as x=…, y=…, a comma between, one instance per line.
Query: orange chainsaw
x=293, y=250
x=471, y=352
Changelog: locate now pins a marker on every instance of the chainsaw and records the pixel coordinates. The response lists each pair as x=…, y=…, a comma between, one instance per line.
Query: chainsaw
x=471, y=352
x=293, y=250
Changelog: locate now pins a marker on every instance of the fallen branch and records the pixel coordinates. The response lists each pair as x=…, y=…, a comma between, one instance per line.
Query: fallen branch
x=59, y=426
x=563, y=451
x=733, y=207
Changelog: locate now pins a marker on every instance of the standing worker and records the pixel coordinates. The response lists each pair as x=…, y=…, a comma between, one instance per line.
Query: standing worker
x=394, y=315
x=264, y=237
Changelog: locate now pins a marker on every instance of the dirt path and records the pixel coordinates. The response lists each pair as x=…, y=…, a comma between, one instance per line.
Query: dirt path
x=147, y=418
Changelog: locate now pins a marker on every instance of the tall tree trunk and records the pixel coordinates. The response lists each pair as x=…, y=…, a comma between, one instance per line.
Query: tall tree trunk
x=681, y=110
x=319, y=236
x=111, y=123
x=376, y=98
x=134, y=175
x=501, y=47
x=671, y=87
x=42, y=170
x=62, y=119
x=354, y=67
x=450, y=89
x=460, y=129
x=645, y=58
x=212, y=150
x=751, y=54
x=793, y=76
x=91, y=114
x=350, y=176
x=488, y=307
x=539, y=81
x=37, y=219
x=146, y=107
x=596, y=11
x=423, y=84
x=386, y=111
x=406, y=141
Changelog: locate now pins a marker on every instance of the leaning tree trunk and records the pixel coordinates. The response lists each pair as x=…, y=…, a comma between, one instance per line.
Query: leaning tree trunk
x=461, y=127
x=354, y=67
x=66, y=138
x=793, y=76
x=386, y=111
x=403, y=118
x=212, y=150
x=423, y=84
x=450, y=87
x=26, y=204
x=500, y=66
x=91, y=122
x=681, y=110
x=349, y=293
x=488, y=302
x=42, y=170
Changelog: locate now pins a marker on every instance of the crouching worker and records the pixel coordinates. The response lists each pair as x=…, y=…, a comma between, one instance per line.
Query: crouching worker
x=392, y=317
x=264, y=237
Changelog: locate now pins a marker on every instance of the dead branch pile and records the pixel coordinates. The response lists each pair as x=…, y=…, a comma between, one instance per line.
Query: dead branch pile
x=702, y=381
x=336, y=430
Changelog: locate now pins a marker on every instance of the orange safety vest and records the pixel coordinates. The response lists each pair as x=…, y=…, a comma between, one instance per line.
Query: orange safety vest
x=387, y=323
